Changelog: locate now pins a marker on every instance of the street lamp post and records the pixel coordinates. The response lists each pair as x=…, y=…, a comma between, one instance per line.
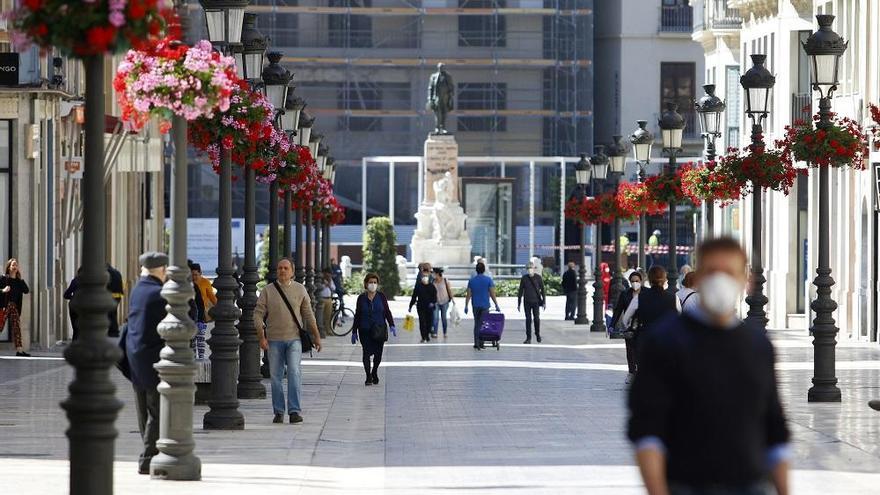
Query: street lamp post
x=225, y=21
x=314, y=144
x=617, y=160
x=290, y=121
x=710, y=109
x=758, y=83
x=276, y=81
x=250, y=386
x=642, y=141
x=315, y=281
x=583, y=172
x=599, y=161
x=302, y=139
x=672, y=129
x=824, y=47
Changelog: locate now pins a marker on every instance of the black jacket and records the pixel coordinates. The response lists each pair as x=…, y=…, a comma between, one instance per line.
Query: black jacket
x=143, y=343
x=623, y=301
x=424, y=295
x=654, y=304
x=16, y=294
x=531, y=289
x=569, y=281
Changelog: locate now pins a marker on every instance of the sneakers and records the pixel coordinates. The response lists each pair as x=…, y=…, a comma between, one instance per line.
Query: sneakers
x=295, y=418
x=279, y=418
x=629, y=378
x=22, y=354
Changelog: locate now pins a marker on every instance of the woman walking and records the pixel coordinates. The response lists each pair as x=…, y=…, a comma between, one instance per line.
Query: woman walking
x=370, y=317
x=12, y=290
x=444, y=297
x=623, y=320
x=424, y=298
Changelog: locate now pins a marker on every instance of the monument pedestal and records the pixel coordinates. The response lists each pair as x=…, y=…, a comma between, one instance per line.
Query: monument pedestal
x=441, y=236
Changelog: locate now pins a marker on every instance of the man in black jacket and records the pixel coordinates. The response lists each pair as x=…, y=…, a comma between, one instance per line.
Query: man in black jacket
x=570, y=287
x=655, y=302
x=705, y=415
x=531, y=289
x=142, y=346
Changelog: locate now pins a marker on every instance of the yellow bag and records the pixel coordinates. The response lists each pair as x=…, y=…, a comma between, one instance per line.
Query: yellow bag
x=409, y=323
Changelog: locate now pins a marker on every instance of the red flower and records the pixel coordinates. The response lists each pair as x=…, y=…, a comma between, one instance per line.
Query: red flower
x=136, y=10
x=100, y=37
x=227, y=142
x=33, y=5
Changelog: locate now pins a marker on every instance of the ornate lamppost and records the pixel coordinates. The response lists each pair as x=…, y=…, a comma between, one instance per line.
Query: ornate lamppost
x=290, y=120
x=617, y=160
x=314, y=144
x=225, y=21
x=314, y=279
x=642, y=141
x=330, y=175
x=824, y=47
x=672, y=129
x=583, y=172
x=710, y=109
x=306, y=122
x=599, y=161
x=276, y=81
x=250, y=386
x=758, y=83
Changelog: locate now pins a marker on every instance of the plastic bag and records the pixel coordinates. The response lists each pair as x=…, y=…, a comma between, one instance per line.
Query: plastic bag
x=409, y=323
x=454, y=315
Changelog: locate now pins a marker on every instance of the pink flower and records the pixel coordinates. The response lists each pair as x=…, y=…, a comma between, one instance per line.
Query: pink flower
x=117, y=18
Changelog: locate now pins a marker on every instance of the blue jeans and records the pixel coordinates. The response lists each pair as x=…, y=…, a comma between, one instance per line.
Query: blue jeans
x=478, y=322
x=289, y=353
x=440, y=314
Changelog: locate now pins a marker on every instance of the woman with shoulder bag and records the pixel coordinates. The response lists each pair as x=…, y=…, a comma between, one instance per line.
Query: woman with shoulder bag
x=444, y=298
x=372, y=321
x=624, y=321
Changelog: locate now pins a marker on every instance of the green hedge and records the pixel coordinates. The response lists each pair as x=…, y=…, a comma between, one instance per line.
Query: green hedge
x=380, y=254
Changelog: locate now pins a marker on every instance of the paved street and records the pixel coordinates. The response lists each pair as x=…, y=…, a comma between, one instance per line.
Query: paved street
x=532, y=419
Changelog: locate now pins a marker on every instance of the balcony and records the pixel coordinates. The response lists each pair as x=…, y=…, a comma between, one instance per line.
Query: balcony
x=802, y=107
x=677, y=19
x=715, y=15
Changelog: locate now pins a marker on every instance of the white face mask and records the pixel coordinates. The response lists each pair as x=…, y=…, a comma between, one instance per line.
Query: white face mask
x=372, y=287
x=720, y=293
x=636, y=286
x=425, y=280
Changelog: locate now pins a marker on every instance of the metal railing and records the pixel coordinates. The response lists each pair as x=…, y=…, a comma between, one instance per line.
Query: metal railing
x=677, y=19
x=801, y=107
x=722, y=16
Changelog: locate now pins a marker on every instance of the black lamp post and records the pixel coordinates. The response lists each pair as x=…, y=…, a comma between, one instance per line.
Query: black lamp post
x=600, y=163
x=672, y=129
x=314, y=144
x=224, y=19
x=824, y=47
x=290, y=120
x=250, y=61
x=642, y=141
x=330, y=175
x=583, y=172
x=617, y=160
x=758, y=83
x=302, y=139
x=710, y=109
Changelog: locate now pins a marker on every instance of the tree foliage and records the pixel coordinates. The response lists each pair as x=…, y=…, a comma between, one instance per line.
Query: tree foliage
x=380, y=252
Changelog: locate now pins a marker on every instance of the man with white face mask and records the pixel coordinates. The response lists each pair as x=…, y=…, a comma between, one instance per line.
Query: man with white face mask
x=705, y=411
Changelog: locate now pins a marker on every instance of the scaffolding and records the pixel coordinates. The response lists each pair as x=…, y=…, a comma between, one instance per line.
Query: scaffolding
x=523, y=70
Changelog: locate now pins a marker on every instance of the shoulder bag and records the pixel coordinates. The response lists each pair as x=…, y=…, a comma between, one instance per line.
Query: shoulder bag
x=538, y=292
x=304, y=335
x=379, y=330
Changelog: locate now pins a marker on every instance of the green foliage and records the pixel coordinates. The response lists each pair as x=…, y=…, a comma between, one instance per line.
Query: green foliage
x=380, y=254
x=354, y=285
x=552, y=283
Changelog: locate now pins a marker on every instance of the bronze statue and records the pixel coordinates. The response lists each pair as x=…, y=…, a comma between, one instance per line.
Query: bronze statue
x=441, y=93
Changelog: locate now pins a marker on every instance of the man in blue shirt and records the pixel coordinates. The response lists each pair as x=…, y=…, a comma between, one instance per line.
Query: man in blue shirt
x=480, y=288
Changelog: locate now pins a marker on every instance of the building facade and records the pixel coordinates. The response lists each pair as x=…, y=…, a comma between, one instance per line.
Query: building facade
x=732, y=30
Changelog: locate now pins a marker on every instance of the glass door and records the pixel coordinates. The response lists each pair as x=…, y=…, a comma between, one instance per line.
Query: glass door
x=488, y=204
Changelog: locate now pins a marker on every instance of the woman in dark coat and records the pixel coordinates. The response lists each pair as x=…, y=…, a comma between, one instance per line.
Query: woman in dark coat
x=617, y=321
x=424, y=298
x=12, y=290
x=371, y=311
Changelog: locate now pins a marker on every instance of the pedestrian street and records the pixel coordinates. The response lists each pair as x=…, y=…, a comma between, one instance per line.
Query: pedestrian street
x=543, y=418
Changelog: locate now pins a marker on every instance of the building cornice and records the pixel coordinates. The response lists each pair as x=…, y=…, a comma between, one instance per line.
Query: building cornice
x=757, y=8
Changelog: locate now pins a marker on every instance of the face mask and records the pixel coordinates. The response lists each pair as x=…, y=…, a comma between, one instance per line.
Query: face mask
x=372, y=287
x=425, y=280
x=531, y=271
x=719, y=294
x=636, y=286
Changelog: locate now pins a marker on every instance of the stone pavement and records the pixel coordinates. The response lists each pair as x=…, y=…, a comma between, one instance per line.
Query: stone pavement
x=537, y=419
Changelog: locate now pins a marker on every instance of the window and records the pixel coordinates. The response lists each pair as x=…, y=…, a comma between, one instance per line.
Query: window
x=733, y=106
x=359, y=96
x=5, y=190
x=488, y=97
x=482, y=30
x=350, y=31
x=677, y=83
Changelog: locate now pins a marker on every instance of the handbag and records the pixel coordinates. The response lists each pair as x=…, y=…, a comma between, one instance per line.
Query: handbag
x=379, y=331
x=304, y=336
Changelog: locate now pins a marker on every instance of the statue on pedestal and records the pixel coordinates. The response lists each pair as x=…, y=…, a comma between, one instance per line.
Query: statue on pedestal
x=441, y=95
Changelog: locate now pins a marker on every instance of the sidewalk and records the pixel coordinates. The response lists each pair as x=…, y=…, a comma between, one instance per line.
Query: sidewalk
x=537, y=419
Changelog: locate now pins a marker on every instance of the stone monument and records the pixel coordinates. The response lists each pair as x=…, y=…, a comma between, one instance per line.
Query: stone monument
x=441, y=236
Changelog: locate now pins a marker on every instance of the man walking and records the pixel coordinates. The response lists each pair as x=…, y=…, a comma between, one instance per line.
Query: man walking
x=705, y=415
x=570, y=287
x=283, y=309
x=142, y=346
x=480, y=288
x=531, y=288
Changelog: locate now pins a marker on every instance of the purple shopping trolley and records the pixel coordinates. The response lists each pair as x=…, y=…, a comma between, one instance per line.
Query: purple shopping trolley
x=492, y=328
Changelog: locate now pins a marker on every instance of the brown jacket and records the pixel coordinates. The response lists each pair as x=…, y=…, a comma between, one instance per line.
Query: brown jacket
x=272, y=316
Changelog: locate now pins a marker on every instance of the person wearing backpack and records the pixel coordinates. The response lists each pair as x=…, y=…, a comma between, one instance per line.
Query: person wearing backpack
x=531, y=289
x=372, y=321
x=282, y=309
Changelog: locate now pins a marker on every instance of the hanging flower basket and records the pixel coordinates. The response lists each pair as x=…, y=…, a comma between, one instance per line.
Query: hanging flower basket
x=752, y=167
x=325, y=207
x=633, y=200
x=709, y=183
x=173, y=79
x=842, y=144
x=311, y=188
x=665, y=188
x=83, y=28
x=295, y=166
x=585, y=210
